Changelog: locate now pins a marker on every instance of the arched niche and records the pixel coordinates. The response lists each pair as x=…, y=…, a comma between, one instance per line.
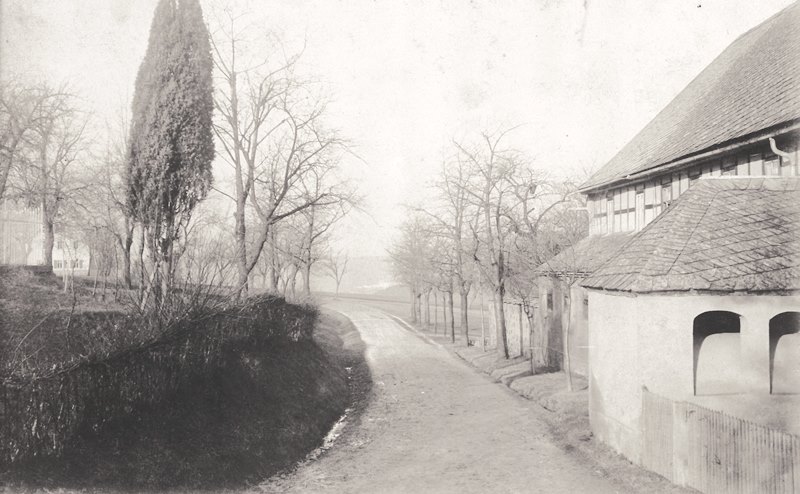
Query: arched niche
x=717, y=352
x=784, y=353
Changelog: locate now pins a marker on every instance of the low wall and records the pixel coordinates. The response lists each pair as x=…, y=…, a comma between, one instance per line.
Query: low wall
x=39, y=417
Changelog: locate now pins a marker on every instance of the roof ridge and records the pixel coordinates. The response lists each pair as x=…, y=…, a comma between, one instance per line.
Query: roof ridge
x=711, y=109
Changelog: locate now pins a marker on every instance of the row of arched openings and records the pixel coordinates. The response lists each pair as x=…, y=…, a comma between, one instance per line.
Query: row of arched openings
x=718, y=365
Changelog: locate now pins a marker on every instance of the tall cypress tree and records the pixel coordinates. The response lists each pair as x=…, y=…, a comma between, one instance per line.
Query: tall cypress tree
x=171, y=143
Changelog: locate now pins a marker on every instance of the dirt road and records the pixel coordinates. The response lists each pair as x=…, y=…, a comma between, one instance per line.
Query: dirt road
x=435, y=425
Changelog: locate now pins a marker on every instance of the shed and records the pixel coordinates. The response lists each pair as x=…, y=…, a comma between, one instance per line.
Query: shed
x=704, y=301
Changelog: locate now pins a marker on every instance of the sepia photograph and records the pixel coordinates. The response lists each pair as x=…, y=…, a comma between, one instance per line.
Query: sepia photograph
x=399, y=246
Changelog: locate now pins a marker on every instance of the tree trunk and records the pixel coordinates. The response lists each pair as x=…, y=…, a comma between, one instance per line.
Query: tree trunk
x=307, y=276
x=444, y=311
x=275, y=271
x=500, y=317
x=413, y=305
x=499, y=296
x=567, y=314
x=483, y=323
x=293, y=283
x=435, y=312
x=240, y=237
x=464, y=315
x=452, y=316
x=141, y=263
x=427, y=309
x=49, y=242
x=126, y=260
x=96, y=272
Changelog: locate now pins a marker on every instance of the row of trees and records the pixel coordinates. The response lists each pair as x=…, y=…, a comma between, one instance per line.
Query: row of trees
x=493, y=220
x=139, y=199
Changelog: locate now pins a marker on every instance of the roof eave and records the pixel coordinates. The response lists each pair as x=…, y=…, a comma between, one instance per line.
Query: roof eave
x=703, y=154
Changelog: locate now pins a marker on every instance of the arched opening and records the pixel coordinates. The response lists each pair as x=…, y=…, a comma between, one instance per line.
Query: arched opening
x=717, y=355
x=784, y=353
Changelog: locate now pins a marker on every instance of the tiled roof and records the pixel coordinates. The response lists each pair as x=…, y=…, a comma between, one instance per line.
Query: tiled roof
x=723, y=234
x=586, y=255
x=752, y=86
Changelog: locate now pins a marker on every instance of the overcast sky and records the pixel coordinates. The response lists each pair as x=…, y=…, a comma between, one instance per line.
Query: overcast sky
x=405, y=77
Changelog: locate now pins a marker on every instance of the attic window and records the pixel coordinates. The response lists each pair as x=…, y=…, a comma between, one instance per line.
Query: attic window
x=728, y=166
x=666, y=194
x=694, y=175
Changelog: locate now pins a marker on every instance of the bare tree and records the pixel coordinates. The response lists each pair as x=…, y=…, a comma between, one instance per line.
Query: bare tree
x=55, y=142
x=452, y=215
x=409, y=256
x=336, y=266
x=270, y=127
x=319, y=219
x=491, y=190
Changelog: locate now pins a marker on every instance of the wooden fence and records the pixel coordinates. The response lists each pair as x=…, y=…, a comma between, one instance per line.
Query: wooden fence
x=714, y=452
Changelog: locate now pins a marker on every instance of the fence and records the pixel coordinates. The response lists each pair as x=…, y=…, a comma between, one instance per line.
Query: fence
x=20, y=234
x=40, y=417
x=713, y=452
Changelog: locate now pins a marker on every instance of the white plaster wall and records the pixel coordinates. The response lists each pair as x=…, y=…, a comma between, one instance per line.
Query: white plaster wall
x=614, y=380
x=578, y=330
x=647, y=340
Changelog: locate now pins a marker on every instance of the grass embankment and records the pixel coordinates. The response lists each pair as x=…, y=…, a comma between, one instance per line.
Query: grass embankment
x=263, y=411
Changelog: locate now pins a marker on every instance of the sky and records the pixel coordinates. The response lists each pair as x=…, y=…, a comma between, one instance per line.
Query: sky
x=406, y=77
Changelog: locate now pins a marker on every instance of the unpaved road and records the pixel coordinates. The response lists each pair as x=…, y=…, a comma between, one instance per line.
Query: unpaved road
x=436, y=425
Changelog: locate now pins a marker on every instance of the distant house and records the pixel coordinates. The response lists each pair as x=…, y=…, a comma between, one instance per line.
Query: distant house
x=701, y=302
x=20, y=234
x=70, y=257
x=22, y=242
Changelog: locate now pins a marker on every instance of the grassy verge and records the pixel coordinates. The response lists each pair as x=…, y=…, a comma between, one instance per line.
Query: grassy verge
x=261, y=413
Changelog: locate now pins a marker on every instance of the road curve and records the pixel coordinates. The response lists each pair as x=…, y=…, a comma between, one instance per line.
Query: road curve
x=435, y=425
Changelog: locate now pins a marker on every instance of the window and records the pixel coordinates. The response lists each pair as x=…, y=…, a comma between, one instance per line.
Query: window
x=602, y=214
x=640, y=208
x=756, y=165
x=631, y=213
x=684, y=182
x=728, y=166
x=666, y=192
x=676, y=183
x=772, y=165
x=694, y=175
x=57, y=264
x=742, y=165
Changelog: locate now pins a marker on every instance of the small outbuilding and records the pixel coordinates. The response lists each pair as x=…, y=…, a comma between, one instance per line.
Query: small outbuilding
x=702, y=304
x=560, y=323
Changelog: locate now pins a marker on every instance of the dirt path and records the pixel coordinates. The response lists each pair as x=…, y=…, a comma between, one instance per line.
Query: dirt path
x=434, y=425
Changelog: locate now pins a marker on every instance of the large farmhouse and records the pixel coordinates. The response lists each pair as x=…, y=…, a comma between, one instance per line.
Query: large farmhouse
x=696, y=297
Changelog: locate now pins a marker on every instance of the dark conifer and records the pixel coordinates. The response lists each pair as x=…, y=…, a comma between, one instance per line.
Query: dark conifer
x=171, y=144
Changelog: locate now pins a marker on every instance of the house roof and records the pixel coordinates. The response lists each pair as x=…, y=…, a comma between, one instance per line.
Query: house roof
x=751, y=88
x=723, y=234
x=586, y=255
